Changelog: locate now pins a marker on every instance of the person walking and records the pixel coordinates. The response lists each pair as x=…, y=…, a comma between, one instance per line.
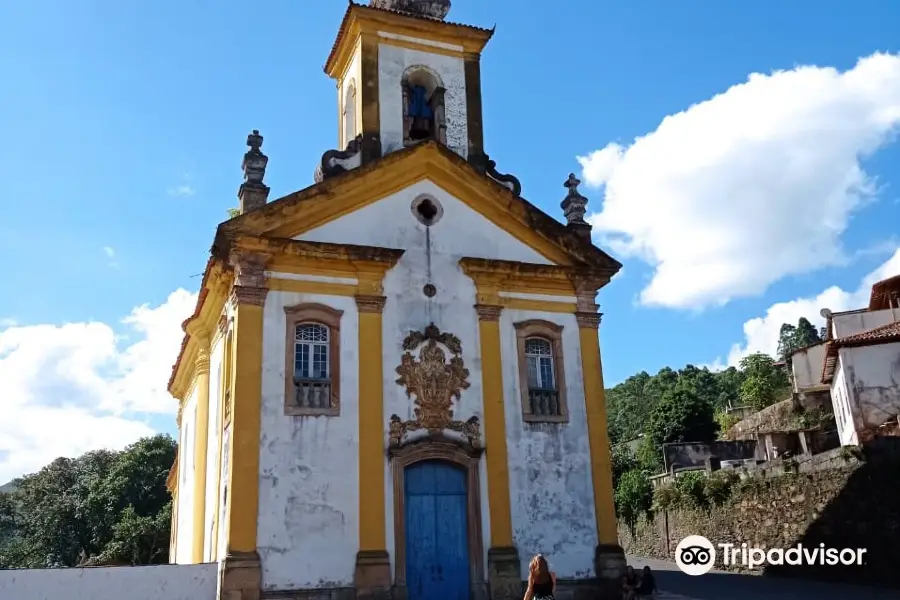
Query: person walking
x=541, y=580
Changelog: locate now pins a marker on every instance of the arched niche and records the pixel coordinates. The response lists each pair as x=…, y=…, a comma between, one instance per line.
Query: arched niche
x=424, y=112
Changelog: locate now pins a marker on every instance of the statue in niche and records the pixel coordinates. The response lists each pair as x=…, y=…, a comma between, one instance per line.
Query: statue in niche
x=423, y=107
x=420, y=114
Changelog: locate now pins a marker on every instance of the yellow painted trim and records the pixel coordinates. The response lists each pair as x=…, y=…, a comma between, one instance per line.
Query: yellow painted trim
x=598, y=438
x=312, y=287
x=426, y=162
x=496, y=456
x=243, y=489
x=361, y=20
x=537, y=305
x=217, y=286
x=371, y=434
x=201, y=443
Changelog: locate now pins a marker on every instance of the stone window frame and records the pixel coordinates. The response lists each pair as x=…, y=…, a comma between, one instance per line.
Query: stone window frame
x=329, y=317
x=552, y=333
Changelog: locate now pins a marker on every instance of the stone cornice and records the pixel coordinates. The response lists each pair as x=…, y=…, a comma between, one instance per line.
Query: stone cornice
x=488, y=312
x=370, y=304
x=588, y=320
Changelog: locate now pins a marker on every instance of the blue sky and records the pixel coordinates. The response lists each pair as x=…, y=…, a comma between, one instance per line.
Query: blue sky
x=125, y=125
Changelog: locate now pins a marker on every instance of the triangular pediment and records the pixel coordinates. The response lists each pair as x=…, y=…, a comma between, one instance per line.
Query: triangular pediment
x=338, y=196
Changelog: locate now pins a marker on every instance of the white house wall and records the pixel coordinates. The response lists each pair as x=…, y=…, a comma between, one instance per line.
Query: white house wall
x=308, y=526
x=216, y=369
x=159, y=582
x=551, y=492
x=843, y=410
x=806, y=367
x=393, y=61
x=186, y=479
x=851, y=323
x=873, y=381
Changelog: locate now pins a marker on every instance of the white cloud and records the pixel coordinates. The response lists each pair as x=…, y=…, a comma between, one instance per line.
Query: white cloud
x=79, y=386
x=761, y=333
x=184, y=191
x=756, y=184
x=111, y=255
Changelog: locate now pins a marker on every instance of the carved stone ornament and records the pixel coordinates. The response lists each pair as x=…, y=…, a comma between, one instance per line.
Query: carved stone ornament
x=488, y=167
x=434, y=9
x=435, y=383
x=335, y=162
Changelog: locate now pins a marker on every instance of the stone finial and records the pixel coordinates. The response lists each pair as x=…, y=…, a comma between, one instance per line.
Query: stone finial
x=253, y=193
x=575, y=207
x=434, y=9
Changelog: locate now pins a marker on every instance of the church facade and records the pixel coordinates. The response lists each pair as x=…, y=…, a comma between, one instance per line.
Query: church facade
x=391, y=385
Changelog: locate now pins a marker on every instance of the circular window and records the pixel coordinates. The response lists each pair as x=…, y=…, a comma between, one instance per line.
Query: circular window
x=427, y=210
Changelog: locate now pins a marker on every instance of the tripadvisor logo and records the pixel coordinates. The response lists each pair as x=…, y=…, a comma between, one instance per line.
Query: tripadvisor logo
x=696, y=555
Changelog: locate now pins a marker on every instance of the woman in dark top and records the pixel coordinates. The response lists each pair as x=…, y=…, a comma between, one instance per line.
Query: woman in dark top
x=541, y=580
x=647, y=586
x=629, y=584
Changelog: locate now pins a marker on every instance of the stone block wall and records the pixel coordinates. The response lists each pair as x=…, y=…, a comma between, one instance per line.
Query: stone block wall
x=852, y=504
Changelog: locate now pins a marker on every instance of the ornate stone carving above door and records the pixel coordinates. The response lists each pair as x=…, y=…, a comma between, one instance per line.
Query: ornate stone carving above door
x=435, y=382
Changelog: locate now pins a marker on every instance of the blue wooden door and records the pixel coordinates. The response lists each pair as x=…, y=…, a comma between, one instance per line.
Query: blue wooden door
x=437, y=550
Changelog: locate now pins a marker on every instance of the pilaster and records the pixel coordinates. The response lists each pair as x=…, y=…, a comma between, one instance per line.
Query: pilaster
x=242, y=508
x=201, y=441
x=504, y=579
x=372, y=577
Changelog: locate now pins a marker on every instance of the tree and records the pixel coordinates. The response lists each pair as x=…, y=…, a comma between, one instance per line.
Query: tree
x=633, y=497
x=682, y=416
x=763, y=380
x=234, y=212
x=98, y=504
x=792, y=339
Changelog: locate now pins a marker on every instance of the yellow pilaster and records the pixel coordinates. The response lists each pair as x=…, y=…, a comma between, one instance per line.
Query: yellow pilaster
x=201, y=441
x=496, y=456
x=241, y=511
x=595, y=403
x=371, y=426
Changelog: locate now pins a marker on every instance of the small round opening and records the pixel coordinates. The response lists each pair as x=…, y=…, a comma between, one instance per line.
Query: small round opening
x=429, y=290
x=426, y=210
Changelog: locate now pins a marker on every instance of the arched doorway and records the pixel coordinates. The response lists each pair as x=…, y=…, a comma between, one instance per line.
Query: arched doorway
x=437, y=553
x=437, y=521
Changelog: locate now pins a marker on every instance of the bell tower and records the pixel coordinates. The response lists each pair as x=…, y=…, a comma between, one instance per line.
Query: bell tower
x=405, y=75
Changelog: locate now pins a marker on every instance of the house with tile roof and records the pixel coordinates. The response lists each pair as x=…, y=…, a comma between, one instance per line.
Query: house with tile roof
x=861, y=366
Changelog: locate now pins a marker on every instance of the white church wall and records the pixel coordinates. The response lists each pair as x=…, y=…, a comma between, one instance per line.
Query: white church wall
x=186, y=460
x=460, y=232
x=216, y=368
x=392, y=63
x=551, y=492
x=308, y=531
x=158, y=582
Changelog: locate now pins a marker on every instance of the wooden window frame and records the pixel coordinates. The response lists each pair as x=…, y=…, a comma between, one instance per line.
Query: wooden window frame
x=551, y=332
x=322, y=315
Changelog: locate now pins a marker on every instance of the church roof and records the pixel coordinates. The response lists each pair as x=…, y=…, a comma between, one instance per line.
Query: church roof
x=321, y=202
x=354, y=9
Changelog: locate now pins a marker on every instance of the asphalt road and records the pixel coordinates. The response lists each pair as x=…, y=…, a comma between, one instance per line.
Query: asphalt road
x=719, y=585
